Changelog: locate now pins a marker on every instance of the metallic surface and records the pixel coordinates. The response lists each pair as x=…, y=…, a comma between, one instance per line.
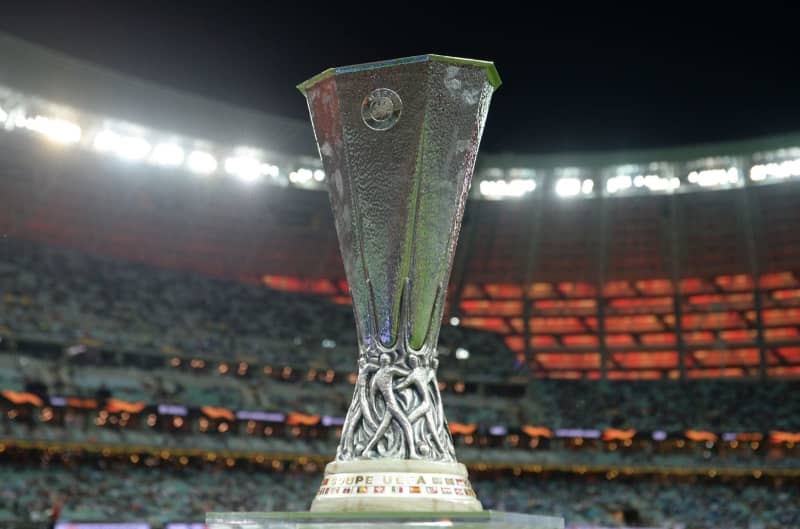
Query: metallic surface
x=398, y=194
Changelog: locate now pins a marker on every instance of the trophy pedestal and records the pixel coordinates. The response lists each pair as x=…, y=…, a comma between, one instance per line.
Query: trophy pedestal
x=381, y=485
x=382, y=520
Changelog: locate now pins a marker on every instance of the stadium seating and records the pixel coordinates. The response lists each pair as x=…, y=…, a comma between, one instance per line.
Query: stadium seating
x=160, y=494
x=70, y=298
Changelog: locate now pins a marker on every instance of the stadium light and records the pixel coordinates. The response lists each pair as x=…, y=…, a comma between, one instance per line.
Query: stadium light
x=319, y=175
x=714, y=177
x=245, y=168
x=105, y=140
x=3, y=115
x=568, y=187
x=268, y=169
x=167, y=154
x=786, y=169
x=301, y=176
x=654, y=182
x=55, y=129
x=127, y=147
x=462, y=354
x=507, y=188
x=201, y=162
x=618, y=183
x=133, y=148
x=455, y=321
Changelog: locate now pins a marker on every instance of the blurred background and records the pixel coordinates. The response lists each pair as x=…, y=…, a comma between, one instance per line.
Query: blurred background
x=621, y=342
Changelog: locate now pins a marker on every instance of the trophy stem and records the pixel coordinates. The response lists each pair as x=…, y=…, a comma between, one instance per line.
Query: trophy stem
x=397, y=411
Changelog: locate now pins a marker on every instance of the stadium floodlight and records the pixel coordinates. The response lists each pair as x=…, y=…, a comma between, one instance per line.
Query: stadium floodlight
x=301, y=176
x=132, y=148
x=462, y=353
x=168, y=154
x=319, y=175
x=105, y=141
x=654, y=182
x=268, y=169
x=55, y=129
x=587, y=186
x=568, y=187
x=3, y=115
x=618, y=183
x=201, y=162
x=759, y=172
x=507, y=188
x=245, y=168
x=785, y=169
x=455, y=321
x=714, y=177
x=127, y=147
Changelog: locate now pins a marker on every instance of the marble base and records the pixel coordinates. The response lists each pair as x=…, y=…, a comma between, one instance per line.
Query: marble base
x=383, y=485
x=382, y=520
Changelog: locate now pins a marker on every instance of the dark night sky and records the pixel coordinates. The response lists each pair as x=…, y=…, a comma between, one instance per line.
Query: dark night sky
x=574, y=80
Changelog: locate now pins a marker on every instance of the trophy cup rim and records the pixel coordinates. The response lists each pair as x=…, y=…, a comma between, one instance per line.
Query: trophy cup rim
x=491, y=71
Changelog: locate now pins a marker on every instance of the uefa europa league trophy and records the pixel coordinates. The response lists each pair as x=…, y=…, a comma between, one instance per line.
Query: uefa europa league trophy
x=398, y=141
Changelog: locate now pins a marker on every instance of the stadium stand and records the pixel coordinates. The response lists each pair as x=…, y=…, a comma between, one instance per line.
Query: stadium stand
x=621, y=342
x=157, y=494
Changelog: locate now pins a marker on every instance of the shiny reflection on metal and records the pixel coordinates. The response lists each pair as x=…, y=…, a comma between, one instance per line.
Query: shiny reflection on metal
x=398, y=199
x=381, y=109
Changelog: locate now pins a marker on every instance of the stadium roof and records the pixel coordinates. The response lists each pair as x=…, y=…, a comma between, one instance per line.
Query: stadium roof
x=37, y=71
x=74, y=102
x=597, y=159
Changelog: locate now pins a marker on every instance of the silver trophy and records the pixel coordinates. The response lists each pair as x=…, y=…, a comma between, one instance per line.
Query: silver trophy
x=398, y=141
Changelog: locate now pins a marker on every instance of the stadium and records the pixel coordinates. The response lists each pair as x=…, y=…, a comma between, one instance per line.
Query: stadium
x=620, y=346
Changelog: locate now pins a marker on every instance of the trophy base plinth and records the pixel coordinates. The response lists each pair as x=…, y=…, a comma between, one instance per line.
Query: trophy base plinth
x=382, y=485
x=380, y=520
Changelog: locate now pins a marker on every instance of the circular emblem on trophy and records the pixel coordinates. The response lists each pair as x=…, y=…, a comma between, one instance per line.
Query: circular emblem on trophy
x=381, y=109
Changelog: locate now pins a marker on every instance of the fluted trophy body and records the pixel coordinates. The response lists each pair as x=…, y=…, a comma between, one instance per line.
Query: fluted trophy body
x=398, y=142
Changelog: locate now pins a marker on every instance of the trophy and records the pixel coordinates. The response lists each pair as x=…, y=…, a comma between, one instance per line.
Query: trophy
x=398, y=141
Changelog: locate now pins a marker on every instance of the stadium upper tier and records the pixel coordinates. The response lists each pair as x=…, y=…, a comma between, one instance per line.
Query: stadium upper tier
x=665, y=282
x=74, y=103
